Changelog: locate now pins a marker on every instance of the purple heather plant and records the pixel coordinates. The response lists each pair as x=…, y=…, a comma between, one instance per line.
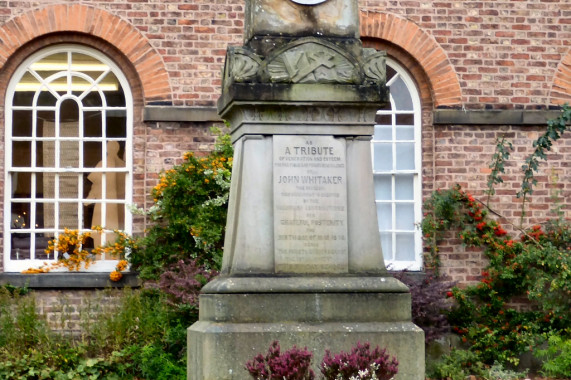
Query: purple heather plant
x=182, y=282
x=359, y=364
x=430, y=303
x=294, y=364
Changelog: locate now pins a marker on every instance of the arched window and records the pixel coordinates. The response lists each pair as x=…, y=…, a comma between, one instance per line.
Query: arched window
x=397, y=167
x=68, y=153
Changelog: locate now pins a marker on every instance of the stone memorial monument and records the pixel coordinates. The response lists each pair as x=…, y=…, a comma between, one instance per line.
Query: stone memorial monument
x=302, y=258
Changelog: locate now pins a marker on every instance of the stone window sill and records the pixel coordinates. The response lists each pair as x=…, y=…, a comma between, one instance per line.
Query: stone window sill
x=66, y=280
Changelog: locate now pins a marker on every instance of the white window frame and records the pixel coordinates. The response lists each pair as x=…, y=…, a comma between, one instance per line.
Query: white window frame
x=105, y=264
x=391, y=255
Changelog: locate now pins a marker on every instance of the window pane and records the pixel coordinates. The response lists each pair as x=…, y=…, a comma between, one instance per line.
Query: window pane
x=116, y=125
x=405, y=216
x=384, y=119
x=405, y=132
x=114, y=185
x=21, y=153
x=69, y=129
x=69, y=185
x=390, y=73
x=21, y=185
x=23, y=98
x=39, y=208
x=46, y=99
x=88, y=215
x=46, y=124
x=383, y=132
x=108, y=215
x=41, y=243
x=69, y=154
x=48, y=215
x=50, y=64
x=383, y=154
x=405, y=119
x=404, y=187
x=405, y=247
x=92, y=99
x=68, y=215
x=383, y=187
x=91, y=153
x=22, y=124
x=115, y=96
x=92, y=124
x=405, y=156
x=25, y=90
x=20, y=216
x=401, y=95
x=385, y=216
x=20, y=246
x=87, y=64
x=45, y=154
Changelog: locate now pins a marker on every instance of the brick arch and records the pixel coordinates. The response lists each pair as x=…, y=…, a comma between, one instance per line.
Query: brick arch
x=444, y=84
x=561, y=87
x=89, y=20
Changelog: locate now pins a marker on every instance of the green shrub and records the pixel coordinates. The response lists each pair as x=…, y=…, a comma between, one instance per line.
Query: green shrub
x=125, y=334
x=21, y=328
x=189, y=215
x=556, y=357
x=456, y=366
x=157, y=364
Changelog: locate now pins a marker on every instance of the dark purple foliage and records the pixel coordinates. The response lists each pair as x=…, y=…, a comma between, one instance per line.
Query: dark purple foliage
x=360, y=363
x=429, y=302
x=291, y=365
x=182, y=282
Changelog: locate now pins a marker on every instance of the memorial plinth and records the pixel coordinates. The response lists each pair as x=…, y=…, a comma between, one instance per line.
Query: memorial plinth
x=302, y=258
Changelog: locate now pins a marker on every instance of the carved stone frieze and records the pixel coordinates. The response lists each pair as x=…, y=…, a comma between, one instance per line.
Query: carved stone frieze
x=242, y=65
x=311, y=60
x=374, y=65
x=302, y=70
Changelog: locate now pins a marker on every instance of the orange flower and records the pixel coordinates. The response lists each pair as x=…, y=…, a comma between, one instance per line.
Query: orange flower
x=122, y=265
x=115, y=276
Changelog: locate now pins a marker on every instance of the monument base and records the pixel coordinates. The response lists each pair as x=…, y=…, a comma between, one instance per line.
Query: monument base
x=235, y=324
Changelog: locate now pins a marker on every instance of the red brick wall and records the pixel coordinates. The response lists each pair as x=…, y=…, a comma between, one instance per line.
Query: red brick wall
x=504, y=54
x=463, y=54
x=463, y=155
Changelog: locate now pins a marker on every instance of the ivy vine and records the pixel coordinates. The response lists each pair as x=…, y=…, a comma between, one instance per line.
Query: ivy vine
x=555, y=129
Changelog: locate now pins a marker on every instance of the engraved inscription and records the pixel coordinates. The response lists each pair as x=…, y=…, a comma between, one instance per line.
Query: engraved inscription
x=310, y=204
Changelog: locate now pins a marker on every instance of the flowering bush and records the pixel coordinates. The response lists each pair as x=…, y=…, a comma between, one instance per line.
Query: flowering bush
x=537, y=266
x=294, y=364
x=189, y=214
x=359, y=364
x=71, y=253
